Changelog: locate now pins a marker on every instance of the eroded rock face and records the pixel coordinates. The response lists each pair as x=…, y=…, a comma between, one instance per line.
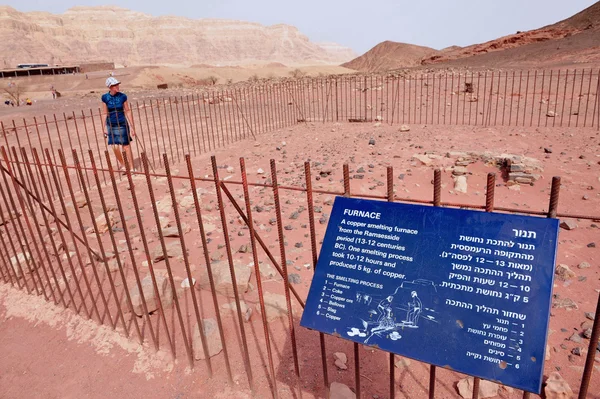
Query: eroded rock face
x=135, y=38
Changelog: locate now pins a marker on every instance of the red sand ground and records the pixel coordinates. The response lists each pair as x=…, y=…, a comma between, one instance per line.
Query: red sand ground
x=116, y=366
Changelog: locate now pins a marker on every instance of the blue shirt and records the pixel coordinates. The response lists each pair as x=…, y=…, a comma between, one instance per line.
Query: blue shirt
x=116, y=114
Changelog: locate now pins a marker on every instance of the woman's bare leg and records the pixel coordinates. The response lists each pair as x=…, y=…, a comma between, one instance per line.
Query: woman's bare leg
x=117, y=151
x=128, y=155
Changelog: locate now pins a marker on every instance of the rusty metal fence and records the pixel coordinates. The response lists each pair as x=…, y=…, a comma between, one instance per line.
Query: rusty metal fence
x=94, y=250
x=86, y=237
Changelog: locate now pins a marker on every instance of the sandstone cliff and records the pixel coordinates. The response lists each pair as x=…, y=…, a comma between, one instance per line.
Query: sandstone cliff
x=132, y=38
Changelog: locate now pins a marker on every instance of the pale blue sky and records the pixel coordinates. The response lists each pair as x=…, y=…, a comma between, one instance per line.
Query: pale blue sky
x=361, y=25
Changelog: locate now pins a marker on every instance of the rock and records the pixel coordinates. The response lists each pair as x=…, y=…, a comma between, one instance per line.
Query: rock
x=402, y=363
x=460, y=184
x=103, y=224
x=459, y=171
x=294, y=215
x=213, y=339
x=260, y=171
x=568, y=224
x=187, y=202
x=173, y=251
x=230, y=169
x=487, y=389
x=275, y=306
x=547, y=150
x=245, y=248
x=266, y=270
x=216, y=256
x=294, y=278
x=576, y=351
x=186, y=283
x=21, y=259
x=589, y=315
x=404, y=128
x=164, y=290
x=424, y=159
x=575, y=338
x=372, y=141
x=591, y=245
x=557, y=387
x=164, y=205
x=583, y=265
x=222, y=277
x=244, y=308
x=550, y=114
x=564, y=272
x=340, y=360
x=566, y=303
x=340, y=391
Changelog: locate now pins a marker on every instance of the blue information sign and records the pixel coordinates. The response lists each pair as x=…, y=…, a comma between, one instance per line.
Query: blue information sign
x=461, y=289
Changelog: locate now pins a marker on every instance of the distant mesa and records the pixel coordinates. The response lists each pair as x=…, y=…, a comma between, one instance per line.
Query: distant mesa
x=133, y=38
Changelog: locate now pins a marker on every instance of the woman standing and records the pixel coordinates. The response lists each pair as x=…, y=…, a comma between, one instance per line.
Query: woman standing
x=119, y=127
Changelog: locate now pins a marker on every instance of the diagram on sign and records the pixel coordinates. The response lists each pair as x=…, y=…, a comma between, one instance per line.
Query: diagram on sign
x=390, y=316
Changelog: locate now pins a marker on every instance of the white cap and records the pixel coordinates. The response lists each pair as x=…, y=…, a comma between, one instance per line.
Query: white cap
x=111, y=82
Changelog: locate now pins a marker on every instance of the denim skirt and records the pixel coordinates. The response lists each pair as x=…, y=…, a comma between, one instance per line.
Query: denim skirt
x=118, y=135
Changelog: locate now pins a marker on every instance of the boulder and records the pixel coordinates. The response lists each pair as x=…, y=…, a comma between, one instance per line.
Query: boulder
x=173, y=251
x=338, y=390
x=164, y=289
x=404, y=128
x=275, y=306
x=213, y=339
x=564, y=272
x=21, y=259
x=460, y=184
x=222, y=277
x=557, y=387
x=568, y=224
x=104, y=224
x=487, y=389
x=424, y=159
x=340, y=360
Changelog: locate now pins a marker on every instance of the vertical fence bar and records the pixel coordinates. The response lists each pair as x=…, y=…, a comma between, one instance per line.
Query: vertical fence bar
x=562, y=112
x=355, y=345
x=54, y=247
x=35, y=257
x=549, y=97
x=136, y=206
x=390, y=198
x=572, y=96
x=62, y=237
x=285, y=276
x=519, y=99
x=556, y=99
x=313, y=247
x=211, y=279
x=232, y=272
x=87, y=245
x=76, y=248
x=37, y=227
x=118, y=258
x=261, y=299
x=188, y=343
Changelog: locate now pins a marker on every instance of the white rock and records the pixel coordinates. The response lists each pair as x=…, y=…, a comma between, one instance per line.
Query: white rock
x=460, y=184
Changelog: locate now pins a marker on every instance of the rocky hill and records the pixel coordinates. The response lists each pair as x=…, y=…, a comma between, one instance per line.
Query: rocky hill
x=132, y=38
x=573, y=40
x=389, y=55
